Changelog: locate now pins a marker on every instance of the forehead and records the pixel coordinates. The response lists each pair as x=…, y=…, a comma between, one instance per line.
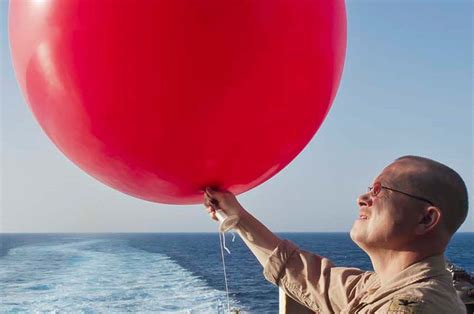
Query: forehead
x=395, y=172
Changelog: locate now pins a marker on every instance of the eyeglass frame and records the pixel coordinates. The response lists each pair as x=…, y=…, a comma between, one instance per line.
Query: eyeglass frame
x=370, y=188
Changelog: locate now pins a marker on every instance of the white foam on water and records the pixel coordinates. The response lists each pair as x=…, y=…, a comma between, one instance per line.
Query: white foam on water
x=102, y=276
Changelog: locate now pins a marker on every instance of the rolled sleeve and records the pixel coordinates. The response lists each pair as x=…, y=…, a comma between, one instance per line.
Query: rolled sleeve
x=310, y=279
x=276, y=263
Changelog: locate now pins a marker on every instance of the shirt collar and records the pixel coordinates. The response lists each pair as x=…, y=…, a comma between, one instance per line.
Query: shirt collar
x=434, y=266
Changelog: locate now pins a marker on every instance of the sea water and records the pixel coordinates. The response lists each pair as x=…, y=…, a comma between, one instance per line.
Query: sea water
x=166, y=273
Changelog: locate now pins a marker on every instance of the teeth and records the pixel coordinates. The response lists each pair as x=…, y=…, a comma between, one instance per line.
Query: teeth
x=362, y=217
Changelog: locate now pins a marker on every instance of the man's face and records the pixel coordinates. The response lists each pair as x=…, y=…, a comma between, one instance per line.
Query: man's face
x=386, y=220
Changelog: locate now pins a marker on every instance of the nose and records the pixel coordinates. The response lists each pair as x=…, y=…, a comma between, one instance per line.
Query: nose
x=364, y=200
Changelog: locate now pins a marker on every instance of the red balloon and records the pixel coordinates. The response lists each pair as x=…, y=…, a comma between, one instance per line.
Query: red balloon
x=160, y=99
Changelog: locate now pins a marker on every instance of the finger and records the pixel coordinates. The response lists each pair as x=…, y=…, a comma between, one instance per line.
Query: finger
x=214, y=193
x=214, y=202
x=208, y=198
x=209, y=190
x=210, y=209
x=210, y=201
x=213, y=216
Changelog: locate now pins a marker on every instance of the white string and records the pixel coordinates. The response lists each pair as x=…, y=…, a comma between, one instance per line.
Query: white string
x=222, y=242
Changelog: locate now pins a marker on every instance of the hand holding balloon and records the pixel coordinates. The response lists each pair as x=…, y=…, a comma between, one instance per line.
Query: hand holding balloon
x=223, y=206
x=261, y=241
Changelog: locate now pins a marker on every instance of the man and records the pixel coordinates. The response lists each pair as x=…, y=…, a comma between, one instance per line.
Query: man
x=406, y=220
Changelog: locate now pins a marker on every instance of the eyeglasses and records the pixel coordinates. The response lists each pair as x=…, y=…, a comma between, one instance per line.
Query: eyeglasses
x=377, y=187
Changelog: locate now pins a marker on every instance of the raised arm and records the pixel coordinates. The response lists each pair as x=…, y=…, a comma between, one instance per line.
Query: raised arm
x=308, y=278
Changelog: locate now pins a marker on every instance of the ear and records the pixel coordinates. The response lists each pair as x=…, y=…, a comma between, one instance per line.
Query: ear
x=429, y=219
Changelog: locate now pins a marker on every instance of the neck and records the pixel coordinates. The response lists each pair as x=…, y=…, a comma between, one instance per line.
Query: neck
x=388, y=263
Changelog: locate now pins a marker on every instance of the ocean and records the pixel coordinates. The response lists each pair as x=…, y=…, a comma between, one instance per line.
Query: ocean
x=160, y=272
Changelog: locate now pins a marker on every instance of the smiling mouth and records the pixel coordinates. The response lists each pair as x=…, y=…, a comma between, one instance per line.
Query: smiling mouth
x=363, y=217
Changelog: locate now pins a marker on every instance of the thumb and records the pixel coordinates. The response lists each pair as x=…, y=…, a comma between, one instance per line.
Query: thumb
x=209, y=190
x=212, y=192
x=214, y=195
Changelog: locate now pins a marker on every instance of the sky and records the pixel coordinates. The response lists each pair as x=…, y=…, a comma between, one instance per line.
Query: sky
x=406, y=90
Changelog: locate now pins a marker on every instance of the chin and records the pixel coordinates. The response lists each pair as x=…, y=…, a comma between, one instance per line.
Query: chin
x=355, y=235
x=359, y=237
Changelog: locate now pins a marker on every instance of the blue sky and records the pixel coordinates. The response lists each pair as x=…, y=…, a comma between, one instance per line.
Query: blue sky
x=406, y=89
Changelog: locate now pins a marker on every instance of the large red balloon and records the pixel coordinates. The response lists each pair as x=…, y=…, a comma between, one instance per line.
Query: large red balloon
x=160, y=99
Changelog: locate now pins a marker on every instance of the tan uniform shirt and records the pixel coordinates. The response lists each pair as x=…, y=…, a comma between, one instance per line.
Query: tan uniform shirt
x=424, y=287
